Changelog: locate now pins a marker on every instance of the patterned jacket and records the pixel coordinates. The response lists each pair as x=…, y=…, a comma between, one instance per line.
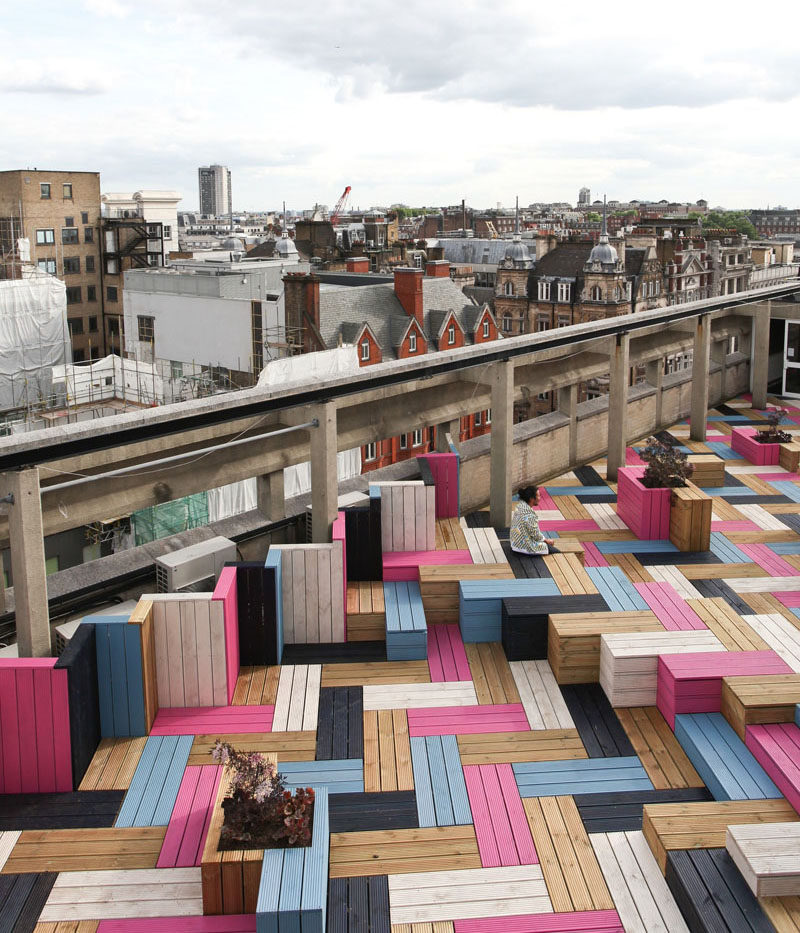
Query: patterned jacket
x=525, y=535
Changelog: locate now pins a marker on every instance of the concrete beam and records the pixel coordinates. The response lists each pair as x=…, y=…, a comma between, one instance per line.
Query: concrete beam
x=324, y=480
x=619, y=377
x=759, y=360
x=501, y=443
x=700, y=378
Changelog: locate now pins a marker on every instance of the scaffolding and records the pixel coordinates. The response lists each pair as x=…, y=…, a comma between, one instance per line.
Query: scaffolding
x=169, y=518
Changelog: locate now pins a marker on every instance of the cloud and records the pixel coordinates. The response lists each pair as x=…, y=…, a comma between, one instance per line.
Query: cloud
x=48, y=76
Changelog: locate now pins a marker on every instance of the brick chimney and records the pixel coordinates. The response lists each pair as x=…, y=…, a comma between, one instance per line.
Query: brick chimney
x=301, y=297
x=438, y=268
x=408, y=288
x=357, y=264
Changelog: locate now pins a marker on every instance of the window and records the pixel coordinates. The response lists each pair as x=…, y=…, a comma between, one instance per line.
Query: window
x=733, y=345
x=544, y=291
x=92, y=325
x=78, y=356
x=542, y=396
x=88, y=235
x=111, y=293
x=509, y=288
x=416, y=438
x=44, y=191
x=72, y=265
x=112, y=266
x=90, y=263
x=563, y=321
x=73, y=294
x=176, y=366
x=506, y=323
x=564, y=291
x=412, y=342
x=477, y=419
x=91, y=293
x=45, y=236
x=167, y=232
x=403, y=441
x=69, y=235
x=370, y=452
x=543, y=324
x=75, y=326
x=597, y=293
x=365, y=350
x=451, y=335
x=47, y=265
x=84, y=217
x=113, y=326
x=66, y=193
x=146, y=328
x=486, y=329
x=488, y=415
x=69, y=221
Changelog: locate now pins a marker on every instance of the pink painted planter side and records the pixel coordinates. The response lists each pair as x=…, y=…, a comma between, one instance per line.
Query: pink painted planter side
x=232, y=923
x=225, y=591
x=645, y=511
x=777, y=749
x=582, y=921
x=338, y=534
x=759, y=454
x=210, y=720
x=404, y=565
x=444, y=468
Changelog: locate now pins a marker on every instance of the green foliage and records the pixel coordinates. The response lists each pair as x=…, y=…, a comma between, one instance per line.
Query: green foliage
x=730, y=220
x=667, y=467
x=593, y=217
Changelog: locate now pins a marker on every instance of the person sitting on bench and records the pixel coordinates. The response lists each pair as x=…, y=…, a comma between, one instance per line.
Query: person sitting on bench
x=526, y=538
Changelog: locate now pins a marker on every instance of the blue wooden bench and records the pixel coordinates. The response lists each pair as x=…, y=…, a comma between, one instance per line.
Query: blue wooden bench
x=617, y=590
x=441, y=791
x=406, y=629
x=727, y=767
x=120, y=679
x=156, y=781
x=636, y=547
x=345, y=776
x=582, y=776
x=293, y=892
x=480, y=609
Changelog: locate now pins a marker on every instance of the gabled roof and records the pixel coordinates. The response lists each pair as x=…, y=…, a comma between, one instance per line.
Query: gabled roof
x=565, y=261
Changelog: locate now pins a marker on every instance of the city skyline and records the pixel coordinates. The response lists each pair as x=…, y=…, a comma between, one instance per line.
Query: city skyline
x=425, y=108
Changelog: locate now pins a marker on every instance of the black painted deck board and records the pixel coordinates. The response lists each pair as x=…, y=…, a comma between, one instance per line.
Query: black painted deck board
x=621, y=811
x=394, y=809
x=22, y=898
x=600, y=730
x=88, y=809
x=657, y=558
x=588, y=476
x=341, y=653
x=340, y=733
x=592, y=497
x=359, y=905
x=757, y=500
x=524, y=567
x=715, y=589
x=791, y=521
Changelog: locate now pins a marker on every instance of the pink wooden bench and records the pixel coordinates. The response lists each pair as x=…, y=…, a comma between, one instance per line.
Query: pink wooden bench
x=35, y=750
x=581, y=921
x=467, y=720
x=338, y=534
x=225, y=591
x=760, y=454
x=670, y=610
x=692, y=683
x=775, y=565
x=777, y=749
x=501, y=827
x=592, y=557
x=209, y=720
x=444, y=468
x=447, y=658
x=404, y=565
x=230, y=923
x=644, y=511
x=191, y=816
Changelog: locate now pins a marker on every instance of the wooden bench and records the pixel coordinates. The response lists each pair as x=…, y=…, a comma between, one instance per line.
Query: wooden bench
x=789, y=457
x=573, y=641
x=768, y=857
x=156, y=782
x=188, y=825
x=572, y=546
x=501, y=827
x=617, y=590
x=408, y=516
x=777, y=749
x=366, y=613
x=480, y=604
x=484, y=545
x=726, y=765
x=690, y=518
x=709, y=470
x=207, y=719
x=257, y=685
x=491, y=673
x=440, y=591
x=621, y=812
x=629, y=662
x=692, y=683
x=441, y=792
x=764, y=698
x=406, y=627
x=587, y=776
x=450, y=536
x=404, y=565
x=524, y=621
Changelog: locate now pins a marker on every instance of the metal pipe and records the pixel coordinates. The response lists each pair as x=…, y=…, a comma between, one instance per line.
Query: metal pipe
x=202, y=451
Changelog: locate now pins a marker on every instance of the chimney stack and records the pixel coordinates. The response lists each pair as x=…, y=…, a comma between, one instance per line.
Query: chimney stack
x=438, y=268
x=408, y=288
x=301, y=300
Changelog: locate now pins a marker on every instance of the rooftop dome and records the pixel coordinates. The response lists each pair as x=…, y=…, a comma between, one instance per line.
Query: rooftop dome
x=518, y=252
x=234, y=244
x=285, y=248
x=603, y=252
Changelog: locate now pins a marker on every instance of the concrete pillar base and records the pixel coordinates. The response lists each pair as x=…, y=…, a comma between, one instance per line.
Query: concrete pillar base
x=700, y=380
x=502, y=382
x=324, y=479
x=619, y=373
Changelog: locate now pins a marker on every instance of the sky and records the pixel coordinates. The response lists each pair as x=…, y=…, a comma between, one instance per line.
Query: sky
x=423, y=102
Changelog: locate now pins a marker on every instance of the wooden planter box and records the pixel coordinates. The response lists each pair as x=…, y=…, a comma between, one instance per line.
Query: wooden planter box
x=645, y=511
x=690, y=519
x=743, y=442
x=789, y=457
x=708, y=470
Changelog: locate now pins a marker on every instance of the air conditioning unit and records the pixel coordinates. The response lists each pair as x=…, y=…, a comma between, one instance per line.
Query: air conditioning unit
x=183, y=570
x=64, y=632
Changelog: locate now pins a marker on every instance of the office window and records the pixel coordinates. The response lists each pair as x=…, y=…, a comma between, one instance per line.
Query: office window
x=113, y=326
x=416, y=439
x=486, y=329
x=69, y=236
x=92, y=325
x=542, y=324
x=403, y=442
x=146, y=328
x=506, y=323
x=412, y=342
x=112, y=266
x=370, y=452
x=66, y=191
x=72, y=265
x=90, y=263
x=509, y=288
x=451, y=335
x=44, y=191
x=73, y=294
x=111, y=293
x=91, y=293
x=47, y=265
x=84, y=217
x=88, y=234
x=176, y=367
x=544, y=291
x=564, y=290
x=365, y=350
x=167, y=232
x=75, y=325
x=69, y=221
x=45, y=237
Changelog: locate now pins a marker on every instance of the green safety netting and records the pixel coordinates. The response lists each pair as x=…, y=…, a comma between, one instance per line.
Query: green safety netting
x=169, y=518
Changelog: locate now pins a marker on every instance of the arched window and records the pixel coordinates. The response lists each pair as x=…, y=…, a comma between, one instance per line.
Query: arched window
x=509, y=288
x=596, y=293
x=506, y=323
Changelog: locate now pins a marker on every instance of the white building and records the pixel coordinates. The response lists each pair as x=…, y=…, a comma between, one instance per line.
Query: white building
x=152, y=206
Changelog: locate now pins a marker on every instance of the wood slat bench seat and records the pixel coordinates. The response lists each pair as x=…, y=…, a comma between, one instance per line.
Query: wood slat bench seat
x=709, y=470
x=524, y=621
x=588, y=776
x=297, y=699
x=659, y=751
x=768, y=856
x=340, y=727
x=207, y=719
x=763, y=698
x=574, y=546
x=540, y=696
x=546, y=745
x=571, y=872
x=156, y=781
x=777, y=748
x=420, y=696
x=399, y=566
x=629, y=662
x=439, y=586
x=480, y=604
x=569, y=574
x=449, y=535
x=484, y=546
x=366, y=612
x=390, y=851
x=491, y=673
x=441, y=792
x=573, y=641
x=256, y=686
x=406, y=626
x=621, y=811
x=670, y=826
x=501, y=827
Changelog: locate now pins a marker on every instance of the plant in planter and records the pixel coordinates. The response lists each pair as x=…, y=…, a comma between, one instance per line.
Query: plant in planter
x=772, y=435
x=260, y=812
x=667, y=467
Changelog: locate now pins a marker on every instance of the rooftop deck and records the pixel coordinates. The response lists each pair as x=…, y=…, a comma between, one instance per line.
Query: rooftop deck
x=507, y=743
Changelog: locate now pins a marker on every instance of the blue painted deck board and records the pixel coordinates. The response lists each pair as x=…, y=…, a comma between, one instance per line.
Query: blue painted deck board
x=156, y=781
x=726, y=551
x=582, y=776
x=786, y=488
x=723, y=450
x=342, y=776
x=785, y=547
x=617, y=590
x=728, y=491
x=579, y=490
x=480, y=606
x=635, y=547
x=441, y=791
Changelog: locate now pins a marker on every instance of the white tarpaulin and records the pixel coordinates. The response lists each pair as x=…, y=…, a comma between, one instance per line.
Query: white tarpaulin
x=111, y=377
x=308, y=367
x=33, y=337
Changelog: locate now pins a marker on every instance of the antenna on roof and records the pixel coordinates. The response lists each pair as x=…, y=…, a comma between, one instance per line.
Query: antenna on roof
x=516, y=221
x=604, y=231
x=284, y=218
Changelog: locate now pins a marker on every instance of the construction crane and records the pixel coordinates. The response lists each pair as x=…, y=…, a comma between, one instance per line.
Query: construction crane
x=340, y=206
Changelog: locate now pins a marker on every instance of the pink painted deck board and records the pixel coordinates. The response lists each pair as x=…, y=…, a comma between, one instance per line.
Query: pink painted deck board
x=207, y=720
x=581, y=921
x=777, y=749
x=467, y=720
x=225, y=591
x=775, y=565
x=781, y=477
x=670, y=610
x=501, y=827
x=447, y=658
x=404, y=565
x=734, y=526
x=592, y=556
x=232, y=923
x=790, y=599
x=338, y=534
x=190, y=819
x=569, y=524
x=692, y=683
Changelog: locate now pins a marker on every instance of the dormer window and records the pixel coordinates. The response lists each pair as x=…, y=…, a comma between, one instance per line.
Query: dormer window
x=597, y=293
x=509, y=288
x=364, y=350
x=486, y=329
x=564, y=289
x=544, y=291
x=451, y=335
x=412, y=342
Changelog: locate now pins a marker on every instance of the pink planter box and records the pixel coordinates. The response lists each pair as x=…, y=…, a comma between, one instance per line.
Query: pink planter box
x=404, y=565
x=645, y=511
x=777, y=749
x=760, y=454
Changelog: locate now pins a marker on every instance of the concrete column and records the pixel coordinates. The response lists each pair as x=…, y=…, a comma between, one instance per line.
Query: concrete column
x=27, y=563
x=700, y=361
x=619, y=373
x=324, y=480
x=719, y=354
x=759, y=355
x=654, y=373
x=502, y=381
x=568, y=405
x=453, y=428
x=270, y=496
